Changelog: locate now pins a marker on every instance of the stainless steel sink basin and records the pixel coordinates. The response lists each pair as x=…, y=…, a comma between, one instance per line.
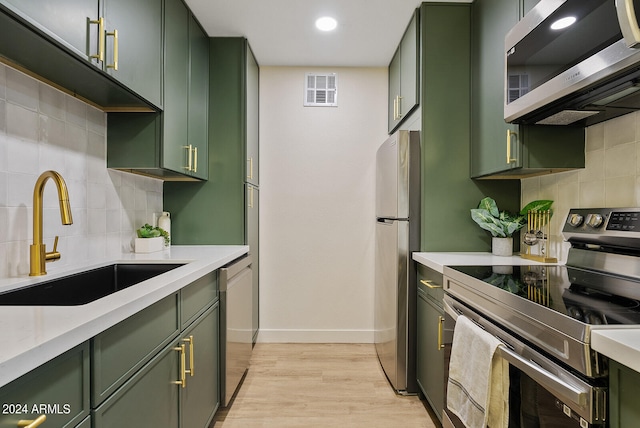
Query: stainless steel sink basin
x=84, y=287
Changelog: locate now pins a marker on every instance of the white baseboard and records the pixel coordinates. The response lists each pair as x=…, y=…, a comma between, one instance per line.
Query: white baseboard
x=315, y=336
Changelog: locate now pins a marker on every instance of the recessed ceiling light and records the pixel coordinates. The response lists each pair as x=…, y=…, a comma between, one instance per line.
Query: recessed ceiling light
x=326, y=23
x=563, y=23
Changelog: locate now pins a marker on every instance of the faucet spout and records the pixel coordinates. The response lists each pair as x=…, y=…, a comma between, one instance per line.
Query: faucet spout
x=37, y=250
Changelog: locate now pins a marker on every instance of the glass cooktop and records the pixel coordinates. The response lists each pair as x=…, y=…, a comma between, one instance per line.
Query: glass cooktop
x=587, y=296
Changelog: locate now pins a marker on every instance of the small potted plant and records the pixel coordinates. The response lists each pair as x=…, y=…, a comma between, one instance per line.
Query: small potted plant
x=502, y=224
x=150, y=239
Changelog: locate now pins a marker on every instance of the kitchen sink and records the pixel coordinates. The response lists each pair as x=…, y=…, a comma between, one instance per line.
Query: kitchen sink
x=84, y=287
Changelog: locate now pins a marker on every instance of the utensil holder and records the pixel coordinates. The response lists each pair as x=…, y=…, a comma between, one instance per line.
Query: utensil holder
x=536, y=239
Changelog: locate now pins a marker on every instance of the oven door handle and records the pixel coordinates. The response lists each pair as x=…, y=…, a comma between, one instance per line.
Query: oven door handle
x=541, y=376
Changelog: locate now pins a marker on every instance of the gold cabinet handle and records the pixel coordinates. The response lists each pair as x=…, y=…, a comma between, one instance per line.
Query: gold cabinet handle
x=183, y=365
x=189, y=150
x=189, y=340
x=510, y=135
x=114, y=34
x=395, y=108
x=195, y=159
x=429, y=283
x=100, y=55
x=33, y=423
x=250, y=175
x=399, y=107
x=250, y=197
x=440, y=328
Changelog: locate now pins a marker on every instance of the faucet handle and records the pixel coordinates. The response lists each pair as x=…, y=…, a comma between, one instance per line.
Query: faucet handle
x=53, y=255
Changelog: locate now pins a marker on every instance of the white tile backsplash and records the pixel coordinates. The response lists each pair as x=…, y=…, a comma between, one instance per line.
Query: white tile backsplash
x=611, y=177
x=42, y=128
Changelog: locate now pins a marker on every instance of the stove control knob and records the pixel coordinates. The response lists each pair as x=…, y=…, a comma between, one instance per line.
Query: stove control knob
x=575, y=220
x=595, y=220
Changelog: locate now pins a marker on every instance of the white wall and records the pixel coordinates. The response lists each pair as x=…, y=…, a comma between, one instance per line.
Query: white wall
x=611, y=177
x=42, y=128
x=317, y=184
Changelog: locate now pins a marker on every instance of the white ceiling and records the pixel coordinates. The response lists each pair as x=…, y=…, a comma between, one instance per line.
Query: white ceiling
x=282, y=32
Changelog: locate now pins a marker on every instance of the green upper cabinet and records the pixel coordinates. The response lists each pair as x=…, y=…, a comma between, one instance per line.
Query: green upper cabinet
x=133, y=45
x=57, y=42
x=75, y=25
x=176, y=153
x=252, y=121
x=198, y=105
x=498, y=148
x=173, y=144
x=404, y=75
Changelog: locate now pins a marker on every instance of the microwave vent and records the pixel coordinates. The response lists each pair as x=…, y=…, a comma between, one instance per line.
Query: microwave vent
x=567, y=117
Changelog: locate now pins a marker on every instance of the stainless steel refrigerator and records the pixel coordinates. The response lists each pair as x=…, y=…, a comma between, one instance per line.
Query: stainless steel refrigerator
x=397, y=236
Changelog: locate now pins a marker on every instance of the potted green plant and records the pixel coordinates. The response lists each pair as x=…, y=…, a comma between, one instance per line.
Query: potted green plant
x=150, y=239
x=502, y=224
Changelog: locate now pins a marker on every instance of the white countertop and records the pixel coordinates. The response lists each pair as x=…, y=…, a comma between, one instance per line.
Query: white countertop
x=437, y=261
x=33, y=335
x=620, y=344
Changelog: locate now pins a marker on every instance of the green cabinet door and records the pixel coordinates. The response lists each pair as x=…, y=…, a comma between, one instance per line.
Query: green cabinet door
x=624, y=390
x=200, y=398
x=176, y=153
x=252, y=120
x=394, y=90
x=492, y=19
x=133, y=53
x=198, y=104
x=253, y=240
x=404, y=75
x=147, y=400
x=62, y=384
x=430, y=351
x=69, y=24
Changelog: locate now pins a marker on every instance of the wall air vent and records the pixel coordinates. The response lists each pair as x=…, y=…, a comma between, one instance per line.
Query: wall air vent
x=321, y=90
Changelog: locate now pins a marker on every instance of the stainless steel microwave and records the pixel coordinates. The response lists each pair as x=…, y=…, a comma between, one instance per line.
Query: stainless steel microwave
x=573, y=62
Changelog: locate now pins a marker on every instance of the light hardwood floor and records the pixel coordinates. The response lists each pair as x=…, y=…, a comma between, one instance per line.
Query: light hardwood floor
x=319, y=385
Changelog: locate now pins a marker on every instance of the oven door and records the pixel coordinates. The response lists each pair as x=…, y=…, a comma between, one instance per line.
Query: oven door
x=542, y=394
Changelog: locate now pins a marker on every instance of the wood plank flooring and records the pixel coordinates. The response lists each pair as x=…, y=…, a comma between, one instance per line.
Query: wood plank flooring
x=319, y=385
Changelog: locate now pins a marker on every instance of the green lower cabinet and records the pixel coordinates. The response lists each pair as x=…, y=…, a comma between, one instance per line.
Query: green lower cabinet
x=177, y=388
x=201, y=397
x=430, y=352
x=148, y=400
x=624, y=390
x=58, y=389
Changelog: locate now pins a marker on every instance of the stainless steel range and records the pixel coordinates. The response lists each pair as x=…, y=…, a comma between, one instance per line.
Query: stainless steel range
x=545, y=315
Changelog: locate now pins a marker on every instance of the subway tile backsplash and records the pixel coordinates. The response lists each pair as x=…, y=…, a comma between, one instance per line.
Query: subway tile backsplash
x=611, y=177
x=42, y=128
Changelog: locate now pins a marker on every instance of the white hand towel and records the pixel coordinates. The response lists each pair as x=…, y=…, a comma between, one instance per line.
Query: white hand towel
x=478, y=385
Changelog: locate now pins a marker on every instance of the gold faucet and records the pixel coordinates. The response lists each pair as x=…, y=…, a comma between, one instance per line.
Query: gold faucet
x=37, y=250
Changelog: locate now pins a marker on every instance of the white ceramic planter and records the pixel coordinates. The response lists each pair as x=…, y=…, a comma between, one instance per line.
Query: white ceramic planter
x=502, y=246
x=149, y=245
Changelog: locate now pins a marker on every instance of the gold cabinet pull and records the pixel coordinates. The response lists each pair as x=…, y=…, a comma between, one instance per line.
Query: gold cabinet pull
x=189, y=340
x=195, y=159
x=100, y=22
x=440, y=328
x=250, y=196
x=114, y=34
x=510, y=135
x=429, y=283
x=250, y=174
x=399, y=108
x=395, y=108
x=32, y=423
x=183, y=365
x=189, y=150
